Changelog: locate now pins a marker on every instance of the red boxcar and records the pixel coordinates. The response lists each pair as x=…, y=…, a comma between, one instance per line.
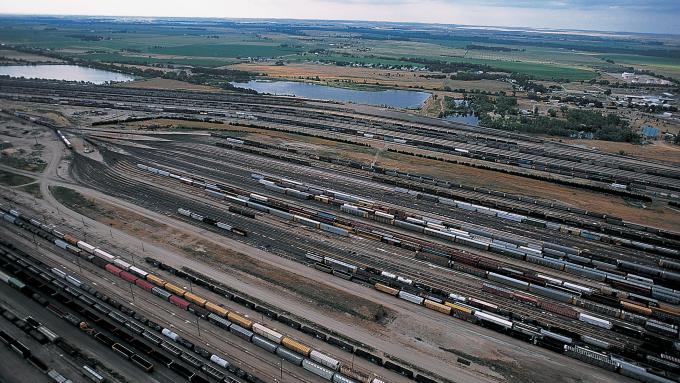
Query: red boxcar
x=128, y=277
x=526, y=298
x=177, y=301
x=112, y=269
x=144, y=284
x=559, y=309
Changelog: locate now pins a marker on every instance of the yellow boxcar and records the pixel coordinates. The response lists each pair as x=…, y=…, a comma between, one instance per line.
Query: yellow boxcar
x=437, y=307
x=160, y=282
x=457, y=307
x=386, y=289
x=240, y=320
x=215, y=309
x=191, y=297
x=175, y=289
x=296, y=346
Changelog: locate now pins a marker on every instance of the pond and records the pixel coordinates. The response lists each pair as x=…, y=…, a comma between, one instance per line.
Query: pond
x=469, y=119
x=64, y=72
x=391, y=98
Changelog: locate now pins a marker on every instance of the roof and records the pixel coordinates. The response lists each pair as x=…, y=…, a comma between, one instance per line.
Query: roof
x=650, y=131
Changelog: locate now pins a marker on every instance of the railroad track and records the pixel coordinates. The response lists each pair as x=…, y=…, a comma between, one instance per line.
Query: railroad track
x=471, y=290
x=75, y=267
x=522, y=232
x=155, y=98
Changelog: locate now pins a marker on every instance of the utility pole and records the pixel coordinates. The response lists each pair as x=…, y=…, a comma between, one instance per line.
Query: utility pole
x=132, y=292
x=132, y=253
x=198, y=326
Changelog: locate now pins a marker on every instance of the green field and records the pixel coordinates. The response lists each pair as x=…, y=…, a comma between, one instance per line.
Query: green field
x=538, y=70
x=662, y=65
x=214, y=44
x=225, y=50
x=141, y=60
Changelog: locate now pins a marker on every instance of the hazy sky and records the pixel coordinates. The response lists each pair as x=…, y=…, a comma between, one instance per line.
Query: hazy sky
x=660, y=16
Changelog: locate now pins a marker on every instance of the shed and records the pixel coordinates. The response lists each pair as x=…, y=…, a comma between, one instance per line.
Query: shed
x=650, y=132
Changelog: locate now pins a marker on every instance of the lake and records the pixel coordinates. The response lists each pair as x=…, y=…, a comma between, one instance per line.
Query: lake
x=392, y=98
x=64, y=72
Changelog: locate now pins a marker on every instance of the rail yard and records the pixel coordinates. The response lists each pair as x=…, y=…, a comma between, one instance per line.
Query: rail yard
x=231, y=237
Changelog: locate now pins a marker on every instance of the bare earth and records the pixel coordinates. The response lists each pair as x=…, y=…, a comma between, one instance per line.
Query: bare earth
x=658, y=150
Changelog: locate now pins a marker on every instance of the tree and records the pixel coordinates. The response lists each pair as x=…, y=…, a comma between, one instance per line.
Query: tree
x=552, y=112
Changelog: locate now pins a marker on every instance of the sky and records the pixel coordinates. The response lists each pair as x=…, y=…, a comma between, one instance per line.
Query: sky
x=653, y=16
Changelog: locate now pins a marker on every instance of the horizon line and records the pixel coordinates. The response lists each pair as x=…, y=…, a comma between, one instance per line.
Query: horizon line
x=2, y=14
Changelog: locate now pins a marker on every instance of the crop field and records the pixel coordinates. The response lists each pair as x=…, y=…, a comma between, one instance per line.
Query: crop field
x=214, y=46
x=226, y=50
x=150, y=59
x=662, y=65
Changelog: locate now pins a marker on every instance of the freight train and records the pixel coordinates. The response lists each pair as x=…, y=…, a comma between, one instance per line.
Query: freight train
x=536, y=283
x=551, y=255
x=482, y=312
x=471, y=309
x=309, y=358
x=548, y=254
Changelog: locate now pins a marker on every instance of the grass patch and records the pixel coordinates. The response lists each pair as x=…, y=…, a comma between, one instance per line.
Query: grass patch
x=149, y=60
x=225, y=50
x=644, y=60
x=538, y=70
x=32, y=189
x=32, y=165
x=11, y=179
x=72, y=198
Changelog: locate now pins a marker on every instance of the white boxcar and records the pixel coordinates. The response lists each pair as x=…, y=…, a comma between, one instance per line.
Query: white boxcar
x=103, y=254
x=122, y=264
x=267, y=333
x=411, y=297
x=138, y=272
x=324, y=360
x=86, y=246
x=595, y=321
x=318, y=369
x=503, y=322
